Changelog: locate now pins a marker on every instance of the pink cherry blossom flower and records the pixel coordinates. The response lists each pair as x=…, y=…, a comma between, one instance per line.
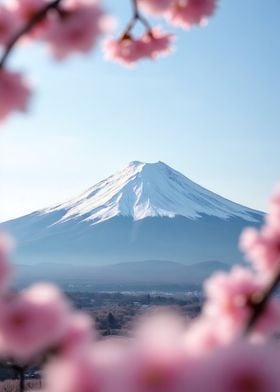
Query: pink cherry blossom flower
x=158, y=361
x=155, y=7
x=240, y=368
x=8, y=25
x=186, y=13
x=204, y=335
x=159, y=327
x=112, y=362
x=164, y=370
x=128, y=50
x=14, y=93
x=72, y=374
x=33, y=321
x=76, y=29
x=228, y=298
x=156, y=43
x=25, y=10
x=95, y=369
x=78, y=336
x=273, y=217
x=5, y=267
x=262, y=248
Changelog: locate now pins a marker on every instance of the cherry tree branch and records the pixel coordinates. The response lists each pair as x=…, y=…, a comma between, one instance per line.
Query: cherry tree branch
x=21, y=373
x=136, y=17
x=37, y=18
x=258, y=306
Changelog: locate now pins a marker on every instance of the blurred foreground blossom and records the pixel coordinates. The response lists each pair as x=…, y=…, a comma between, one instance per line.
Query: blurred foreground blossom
x=26, y=9
x=76, y=28
x=262, y=247
x=9, y=24
x=155, y=7
x=228, y=299
x=241, y=367
x=186, y=13
x=14, y=93
x=181, y=13
x=98, y=368
x=32, y=321
x=78, y=335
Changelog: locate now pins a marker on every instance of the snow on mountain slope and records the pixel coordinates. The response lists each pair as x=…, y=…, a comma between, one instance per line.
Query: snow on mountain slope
x=142, y=190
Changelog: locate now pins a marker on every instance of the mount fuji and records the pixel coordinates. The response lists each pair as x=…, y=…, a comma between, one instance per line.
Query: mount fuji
x=146, y=211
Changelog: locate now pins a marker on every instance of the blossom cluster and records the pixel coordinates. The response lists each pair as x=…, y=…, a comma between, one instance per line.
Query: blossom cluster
x=68, y=27
x=154, y=43
x=165, y=352
x=182, y=13
x=263, y=247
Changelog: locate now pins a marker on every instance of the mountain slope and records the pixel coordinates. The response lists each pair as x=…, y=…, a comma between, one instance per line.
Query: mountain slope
x=142, y=212
x=143, y=190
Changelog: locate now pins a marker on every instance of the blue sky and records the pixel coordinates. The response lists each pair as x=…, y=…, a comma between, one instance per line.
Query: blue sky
x=211, y=111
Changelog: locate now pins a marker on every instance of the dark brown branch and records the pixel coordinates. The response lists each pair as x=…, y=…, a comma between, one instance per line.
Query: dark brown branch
x=37, y=18
x=259, y=306
x=21, y=379
x=136, y=17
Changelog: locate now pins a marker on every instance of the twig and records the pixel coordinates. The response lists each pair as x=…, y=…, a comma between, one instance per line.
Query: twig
x=136, y=17
x=21, y=374
x=37, y=18
x=21, y=379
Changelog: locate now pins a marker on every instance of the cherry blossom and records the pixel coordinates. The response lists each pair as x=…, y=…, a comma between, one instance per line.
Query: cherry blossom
x=155, y=7
x=27, y=9
x=76, y=29
x=9, y=24
x=32, y=321
x=78, y=336
x=98, y=368
x=273, y=217
x=158, y=361
x=14, y=93
x=164, y=370
x=229, y=297
x=204, y=335
x=72, y=374
x=186, y=13
x=241, y=367
x=125, y=51
x=128, y=50
x=262, y=248
x=157, y=43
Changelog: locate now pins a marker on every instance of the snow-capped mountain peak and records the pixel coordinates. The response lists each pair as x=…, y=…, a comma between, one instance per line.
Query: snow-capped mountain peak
x=142, y=190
